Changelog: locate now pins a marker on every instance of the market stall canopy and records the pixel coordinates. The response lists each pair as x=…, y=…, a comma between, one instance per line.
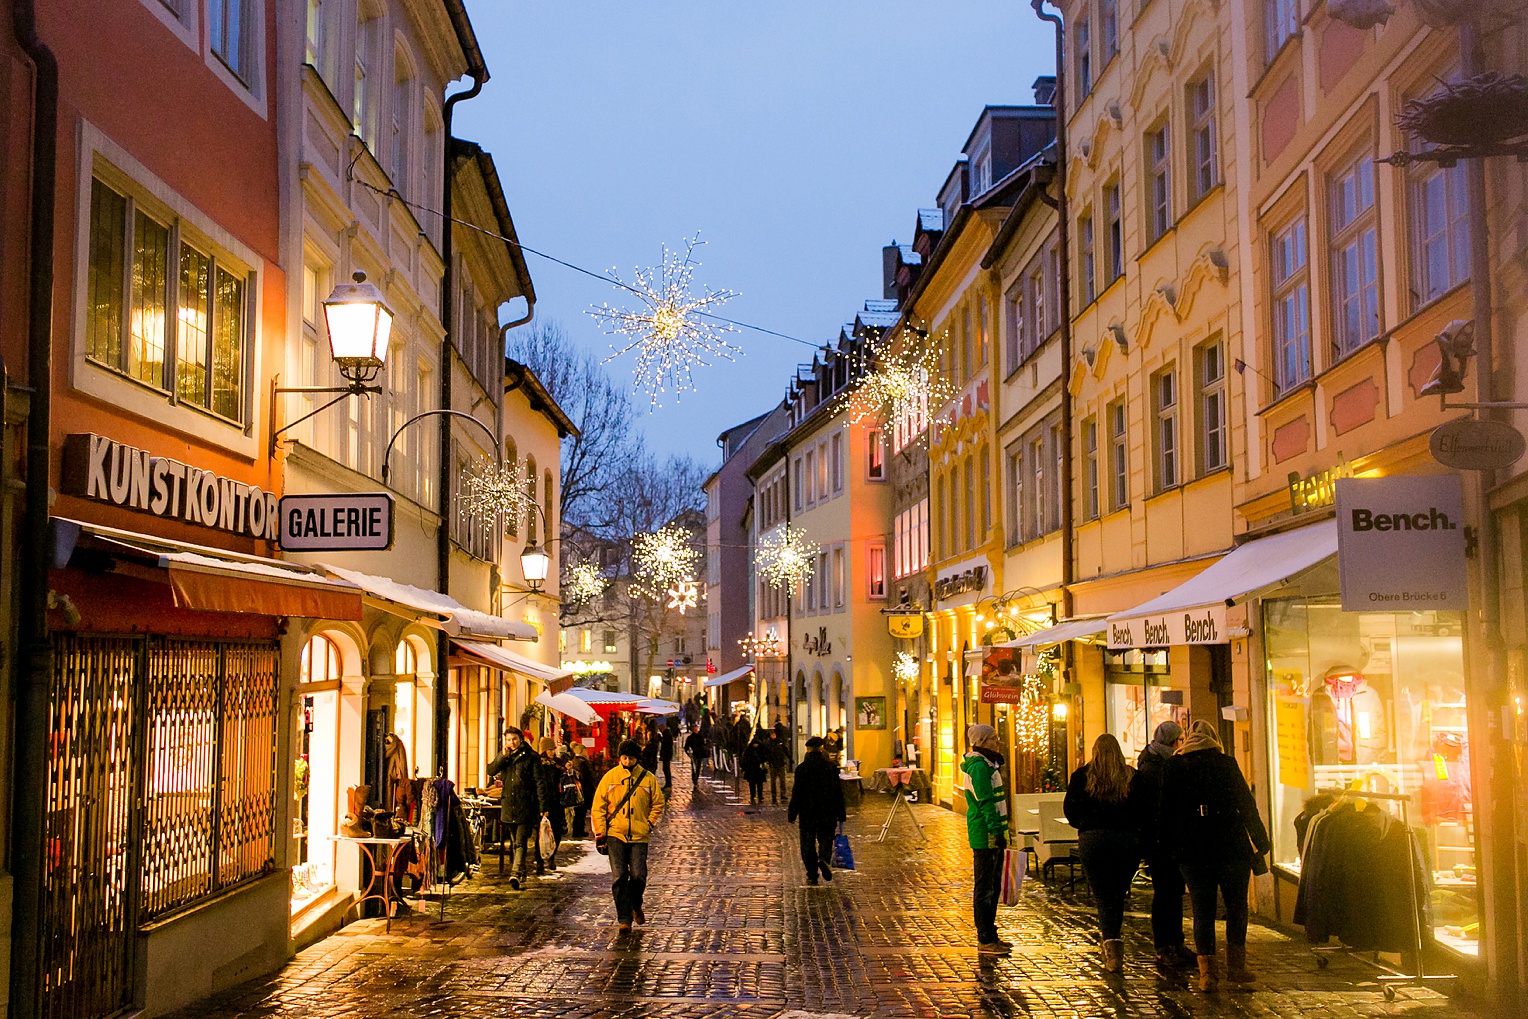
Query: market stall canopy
x=1071, y=629
x=454, y=617
x=557, y=680
x=658, y=706
x=569, y=705
x=1194, y=611
x=606, y=698
x=211, y=580
x=729, y=677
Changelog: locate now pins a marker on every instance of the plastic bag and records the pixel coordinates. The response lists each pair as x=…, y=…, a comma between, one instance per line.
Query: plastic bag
x=843, y=856
x=546, y=839
x=1013, y=877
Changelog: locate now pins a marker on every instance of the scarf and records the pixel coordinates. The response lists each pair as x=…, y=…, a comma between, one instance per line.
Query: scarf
x=1202, y=736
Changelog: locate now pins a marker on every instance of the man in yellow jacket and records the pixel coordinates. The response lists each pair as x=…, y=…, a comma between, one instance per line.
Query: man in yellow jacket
x=626, y=805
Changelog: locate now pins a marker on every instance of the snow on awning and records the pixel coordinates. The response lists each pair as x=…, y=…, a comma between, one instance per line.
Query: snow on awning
x=512, y=661
x=454, y=617
x=567, y=704
x=729, y=677
x=1194, y=612
x=210, y=584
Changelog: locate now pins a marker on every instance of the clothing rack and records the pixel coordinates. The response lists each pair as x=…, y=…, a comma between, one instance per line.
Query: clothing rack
x=1390, y=978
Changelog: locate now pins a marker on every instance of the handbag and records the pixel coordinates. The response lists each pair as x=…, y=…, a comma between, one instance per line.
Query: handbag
x=1012, y=882
x=546, y=838
x=843, y=856
x=572, y=795
x=601, y=840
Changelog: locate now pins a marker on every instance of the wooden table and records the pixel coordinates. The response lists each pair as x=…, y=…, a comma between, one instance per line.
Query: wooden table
x=385, y=873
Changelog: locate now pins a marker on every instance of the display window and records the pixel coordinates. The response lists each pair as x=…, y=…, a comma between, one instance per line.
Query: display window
x=1139, y=696
x=1376, y=701
x=315, y=820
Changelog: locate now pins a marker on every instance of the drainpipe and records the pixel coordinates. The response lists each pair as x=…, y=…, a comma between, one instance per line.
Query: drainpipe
x=443, y=478
x=1063, y=241
x=790, y=660
x=35, y=657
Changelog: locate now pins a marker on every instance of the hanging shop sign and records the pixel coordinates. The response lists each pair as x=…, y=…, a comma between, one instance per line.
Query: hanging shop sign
x=112, y=472
x=1470, y=445
x=952, y=584
x=905, y=625
x=1203, y=625
x=359, y=522
x=1001, y=693
x=1400, y=543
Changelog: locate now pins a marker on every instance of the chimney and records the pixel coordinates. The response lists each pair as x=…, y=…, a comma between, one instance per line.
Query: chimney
x=1045, y=90
x=890, y=256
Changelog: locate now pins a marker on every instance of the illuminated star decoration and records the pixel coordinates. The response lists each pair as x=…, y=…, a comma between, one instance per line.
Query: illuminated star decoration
x=490, y=489
x=894, y=382
x=676, y=330
x=785, y=557
x=905, y=667
x=663, y=558
x=684, y=595
x=583, y=582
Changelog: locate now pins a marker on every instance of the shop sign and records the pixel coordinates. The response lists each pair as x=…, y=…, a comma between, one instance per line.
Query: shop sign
x=1470, y=445
x=1400, y=543
x=818, y=644
x=1203, y=625
x=108, y=471
x=905, y=625
x=359, y=522
x=1289, y=733
x=1316, y=490
x=996, y=693
x=974, y=579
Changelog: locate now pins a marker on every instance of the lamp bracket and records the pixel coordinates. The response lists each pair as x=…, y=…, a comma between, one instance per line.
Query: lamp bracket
x=354, y=389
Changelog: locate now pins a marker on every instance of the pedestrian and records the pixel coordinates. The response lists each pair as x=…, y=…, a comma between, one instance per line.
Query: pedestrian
x=1104, y=804
x=775, y=757
x=783, y=734
x=649, y=756
x=1210, y=822
x=1166, y=878
x=519, y=802
x=695, y=746
x=833, y=745
x=817, y=805
x=754, y=769
x=583, y=770
x=981, y=779
x=549, y=794
x=666, y=755
x=626, y=806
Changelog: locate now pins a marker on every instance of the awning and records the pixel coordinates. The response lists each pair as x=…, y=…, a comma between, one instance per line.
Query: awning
x=658, y=706
x=1194, y=612
x=1072, y=629
x=606, y=698
x=729, y=677
x=556, y=679
x=569, y=705
x=454, y=617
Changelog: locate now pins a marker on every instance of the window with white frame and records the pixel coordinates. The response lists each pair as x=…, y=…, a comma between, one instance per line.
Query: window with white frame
x=1089, y=280
x=1440, y=230
x=1164, y=397
x=368, y=60
x=984, y=486
x=163, y=307
x=1015, y=496
x=1119, y=455
x=1205, y=170
x=909, y=422
x=1058, y=469
x=1159, y=180
x=1291, y=306
x=1212, y=406
x=1354, y=256
x=824, y=584
x=1090, y=467
x=1035, y=522
x=402, y=110
x=875, y=570
x=1116, y=265
x=1037, y=294
x=941, y=547
x=970, y=504
x=836, y=458
x=1282, y=20
x=822, y=470
x=317, y=51
x=1108, y=25
x=875, y=457
x=1013, y=327
x=231, y=33
x=799, y=490
x=838, y=577
x=1083, y=35
x=982, y=326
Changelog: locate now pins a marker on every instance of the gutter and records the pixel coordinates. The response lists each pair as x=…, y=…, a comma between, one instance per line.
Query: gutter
x=35, y=653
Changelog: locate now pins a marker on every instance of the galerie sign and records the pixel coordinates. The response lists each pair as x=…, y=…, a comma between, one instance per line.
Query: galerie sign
x=1205, y=624
x=107, y=471
x=337, y=523
x=1400, y=544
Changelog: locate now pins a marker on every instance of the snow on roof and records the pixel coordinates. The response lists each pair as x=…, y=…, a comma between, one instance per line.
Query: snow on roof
x=909, y=256
x=880, y=305
x=931, y=219
x=466, y=621
x=877, y=319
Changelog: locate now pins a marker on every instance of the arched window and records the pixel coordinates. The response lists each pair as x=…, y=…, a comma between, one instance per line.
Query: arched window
x=405, y=659
x=401, y=122
x=320, y=660
x=530, y=491
x=511, y=463
x=546, y=502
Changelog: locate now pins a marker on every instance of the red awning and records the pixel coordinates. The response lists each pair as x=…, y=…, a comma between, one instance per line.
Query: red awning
x=216, y=585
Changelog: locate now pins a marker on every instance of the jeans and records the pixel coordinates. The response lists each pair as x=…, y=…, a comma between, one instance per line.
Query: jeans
x=628, y=870
x=755, y=790
x=817, y=846
x=522, y=841
x=988, y=884
x=1110, y=859
x=777, y=783
x=695, y=765
x=1166, y=904
x=1228, y=877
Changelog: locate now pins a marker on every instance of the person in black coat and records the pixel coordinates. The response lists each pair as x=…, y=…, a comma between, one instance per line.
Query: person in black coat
x=817, y=805
x=666, y=755
x=754, y=769
x=549, y=773
x=520, y=802
x=776, y=758
x=584, y=772
x=1166, y=878
x=695, y=746
x=1103, y=802
x=1210, y=824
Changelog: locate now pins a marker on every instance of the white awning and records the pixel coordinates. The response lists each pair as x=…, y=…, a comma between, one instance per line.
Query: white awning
x=513, y=661
x=454, y=617
x=625, y=701
x=658, y=706
x=1194, y=612
x=1072, y=629
x=569, y=705
x=729, y=677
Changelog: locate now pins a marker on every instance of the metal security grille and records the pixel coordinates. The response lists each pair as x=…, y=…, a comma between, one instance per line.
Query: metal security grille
x=162, y=792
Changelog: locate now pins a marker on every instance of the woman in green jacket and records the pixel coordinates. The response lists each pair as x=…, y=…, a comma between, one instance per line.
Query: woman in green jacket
x=981, y=780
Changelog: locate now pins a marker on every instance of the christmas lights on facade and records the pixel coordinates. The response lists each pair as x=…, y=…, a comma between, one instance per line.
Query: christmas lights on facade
x=895, y=383
x=786, y=557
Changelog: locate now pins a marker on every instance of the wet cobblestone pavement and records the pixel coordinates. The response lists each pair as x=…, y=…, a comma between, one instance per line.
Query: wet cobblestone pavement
x=733, y=931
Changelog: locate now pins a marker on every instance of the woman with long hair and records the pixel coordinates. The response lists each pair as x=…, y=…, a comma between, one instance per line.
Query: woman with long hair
x=1104, y=804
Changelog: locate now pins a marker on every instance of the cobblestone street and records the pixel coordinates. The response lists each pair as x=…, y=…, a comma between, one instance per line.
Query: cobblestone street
x=733, y=931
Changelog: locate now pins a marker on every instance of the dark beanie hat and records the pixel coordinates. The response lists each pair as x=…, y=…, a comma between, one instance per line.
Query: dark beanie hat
x=629, y=748
x=814, y=743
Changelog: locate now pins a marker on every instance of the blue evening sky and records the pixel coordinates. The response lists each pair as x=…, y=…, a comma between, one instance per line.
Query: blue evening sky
x=795, y=136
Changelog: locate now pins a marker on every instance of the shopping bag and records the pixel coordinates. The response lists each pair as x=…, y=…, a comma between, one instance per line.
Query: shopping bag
x=546, y=839
x=1013, y=877
x=843, y=856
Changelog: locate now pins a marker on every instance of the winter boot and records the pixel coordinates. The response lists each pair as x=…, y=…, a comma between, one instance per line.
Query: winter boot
x=1236, y=965
x=1114, y=955
x=1209, y=977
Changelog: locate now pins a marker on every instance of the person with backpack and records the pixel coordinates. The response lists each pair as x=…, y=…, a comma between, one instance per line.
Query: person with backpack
x=1104, y=803
x=1166, y=878
x=1210, y=824
x=817, y=803
x=626, y=806
x=981, y=782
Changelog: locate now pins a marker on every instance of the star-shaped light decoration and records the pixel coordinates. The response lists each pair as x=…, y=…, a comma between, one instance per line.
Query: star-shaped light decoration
x=583, y=582
x=905, y=667
x=675, y=331
x=488, y=488
x=663, y=558
x=786, y=557
x=893, y=383
x=684, y=595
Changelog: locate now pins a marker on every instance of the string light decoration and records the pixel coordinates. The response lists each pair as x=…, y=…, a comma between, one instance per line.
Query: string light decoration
x=664, y=558
x=684, y=595
x=894, y=384
x=491, y=489
x=583, y=582
x=786, y=557
x=1032, y=718
x=905, y=667
x=676, y=330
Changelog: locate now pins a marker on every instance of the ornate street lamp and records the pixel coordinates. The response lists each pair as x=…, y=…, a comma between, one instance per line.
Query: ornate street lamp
x=359, y=323
x=534, y=564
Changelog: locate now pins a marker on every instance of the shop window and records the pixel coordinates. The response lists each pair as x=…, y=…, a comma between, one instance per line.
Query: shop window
x=1140, y=696
x=1377, y=701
